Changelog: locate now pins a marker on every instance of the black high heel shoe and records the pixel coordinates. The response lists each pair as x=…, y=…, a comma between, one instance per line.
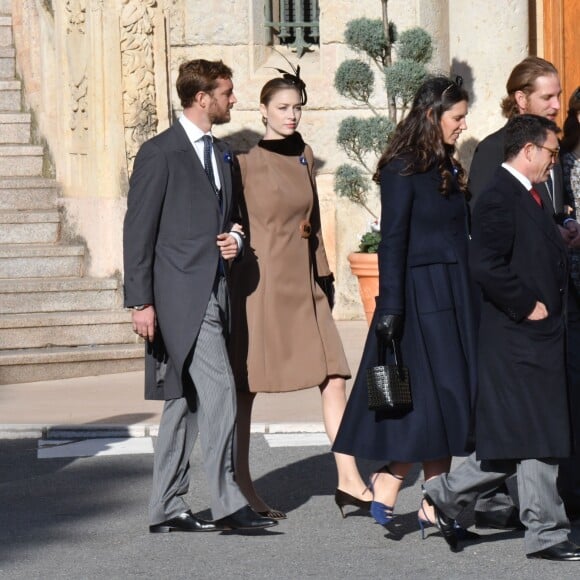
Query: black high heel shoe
x=425, y=522
x=450, y=529
x=341, y=498
x=444, y=523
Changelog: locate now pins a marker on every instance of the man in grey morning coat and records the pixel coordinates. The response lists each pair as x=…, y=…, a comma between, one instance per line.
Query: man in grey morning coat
x=177, y=239
x=522, y=417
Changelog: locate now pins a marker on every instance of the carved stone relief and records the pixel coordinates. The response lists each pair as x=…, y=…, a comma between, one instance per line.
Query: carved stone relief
x=76, y=48
x=138, y=74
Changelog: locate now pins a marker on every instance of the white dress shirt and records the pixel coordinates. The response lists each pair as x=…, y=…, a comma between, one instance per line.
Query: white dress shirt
x=195, y=136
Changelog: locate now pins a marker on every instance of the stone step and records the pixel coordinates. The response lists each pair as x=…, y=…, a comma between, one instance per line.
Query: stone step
x=5, y=31
x=7, y=62
x=17, y=193
x=48, y=329
x=58, y=294
x=40, y=260
x=16, y=160
x=15, y=127
x=45, y=364
x=10, y=95
x=29, y=226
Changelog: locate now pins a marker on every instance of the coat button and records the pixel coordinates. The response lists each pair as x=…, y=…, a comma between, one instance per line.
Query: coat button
x=561, y=290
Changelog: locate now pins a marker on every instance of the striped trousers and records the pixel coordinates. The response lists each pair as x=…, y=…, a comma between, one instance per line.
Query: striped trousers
x=541, y=508
x=213, y=419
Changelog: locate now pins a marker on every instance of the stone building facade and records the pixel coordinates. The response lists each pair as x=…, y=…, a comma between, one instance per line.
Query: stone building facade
x=99, y=78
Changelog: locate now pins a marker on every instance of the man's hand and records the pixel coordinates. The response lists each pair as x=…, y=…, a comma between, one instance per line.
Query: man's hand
x=144, y=322
x=228, y=246
x=539, y=312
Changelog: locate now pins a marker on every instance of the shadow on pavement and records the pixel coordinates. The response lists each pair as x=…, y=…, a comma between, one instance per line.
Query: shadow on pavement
x=55, y=501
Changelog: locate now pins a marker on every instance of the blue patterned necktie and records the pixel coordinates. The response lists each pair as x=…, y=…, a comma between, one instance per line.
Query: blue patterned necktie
x=207, y=164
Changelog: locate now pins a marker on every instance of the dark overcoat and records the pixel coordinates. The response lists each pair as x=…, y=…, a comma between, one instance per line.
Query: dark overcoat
x=423, y=275
x=517, y=256
x=170, y=251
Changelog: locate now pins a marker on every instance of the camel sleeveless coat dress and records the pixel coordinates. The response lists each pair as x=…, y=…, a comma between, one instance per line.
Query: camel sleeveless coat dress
x=283, y=336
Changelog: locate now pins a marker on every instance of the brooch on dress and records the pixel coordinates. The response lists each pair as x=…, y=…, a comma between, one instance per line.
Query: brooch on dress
x=302, y=160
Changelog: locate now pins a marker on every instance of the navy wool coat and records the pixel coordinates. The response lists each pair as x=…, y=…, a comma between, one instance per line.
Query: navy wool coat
x=423, y=275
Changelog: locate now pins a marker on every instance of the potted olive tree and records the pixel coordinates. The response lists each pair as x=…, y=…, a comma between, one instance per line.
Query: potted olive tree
x=363, y=139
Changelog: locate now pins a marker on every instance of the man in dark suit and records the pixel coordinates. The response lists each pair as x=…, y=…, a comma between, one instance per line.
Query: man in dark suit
x=534, y=87
x=177, y=239
x=522, y=416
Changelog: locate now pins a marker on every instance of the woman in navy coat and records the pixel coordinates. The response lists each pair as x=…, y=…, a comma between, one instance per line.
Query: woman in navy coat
x=426, y=300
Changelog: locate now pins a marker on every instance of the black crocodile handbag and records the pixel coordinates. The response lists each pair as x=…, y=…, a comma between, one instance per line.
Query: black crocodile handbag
x=389, y=389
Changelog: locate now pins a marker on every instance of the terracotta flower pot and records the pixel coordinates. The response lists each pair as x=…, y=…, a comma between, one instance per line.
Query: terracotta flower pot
x=366, y=268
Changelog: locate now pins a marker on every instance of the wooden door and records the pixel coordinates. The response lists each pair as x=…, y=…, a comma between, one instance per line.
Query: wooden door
x=562, y=44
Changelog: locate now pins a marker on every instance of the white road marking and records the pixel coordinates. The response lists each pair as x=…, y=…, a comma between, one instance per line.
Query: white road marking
x=297, y=439
x=52, y=449
x=103, y=446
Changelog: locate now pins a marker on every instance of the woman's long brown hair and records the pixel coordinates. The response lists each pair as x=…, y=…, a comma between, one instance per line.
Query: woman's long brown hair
x=418, y=139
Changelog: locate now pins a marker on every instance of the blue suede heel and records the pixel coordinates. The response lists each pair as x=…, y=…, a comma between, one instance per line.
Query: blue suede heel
x=383, y=514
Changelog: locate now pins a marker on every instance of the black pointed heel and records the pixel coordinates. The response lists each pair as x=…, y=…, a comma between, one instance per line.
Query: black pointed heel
x=444, y=523
x=342, y=499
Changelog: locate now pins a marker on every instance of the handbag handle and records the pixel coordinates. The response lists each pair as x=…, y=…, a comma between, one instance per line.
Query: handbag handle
x=382, y=358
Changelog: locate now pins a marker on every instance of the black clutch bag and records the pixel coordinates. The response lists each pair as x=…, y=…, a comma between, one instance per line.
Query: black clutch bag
x=389, y=389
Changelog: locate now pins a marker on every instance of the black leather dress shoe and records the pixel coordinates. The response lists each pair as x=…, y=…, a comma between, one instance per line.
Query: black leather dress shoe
x=185, y=522
x=499, y=520
x=245, y=519
x=564, y=551
x=444, y=524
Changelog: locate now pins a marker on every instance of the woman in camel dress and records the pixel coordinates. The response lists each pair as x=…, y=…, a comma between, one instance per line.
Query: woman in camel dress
x=283, y=335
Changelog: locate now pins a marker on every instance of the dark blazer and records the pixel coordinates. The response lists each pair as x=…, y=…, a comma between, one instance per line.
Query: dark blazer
x=170, y=252
x=489, y=155
x=517, y=257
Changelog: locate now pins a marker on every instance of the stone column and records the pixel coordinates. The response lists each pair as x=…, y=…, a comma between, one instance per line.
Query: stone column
x=112, y=62
x=486, y=40
x=433, y=16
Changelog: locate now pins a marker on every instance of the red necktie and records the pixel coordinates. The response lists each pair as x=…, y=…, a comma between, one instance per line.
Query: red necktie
x=536, y=197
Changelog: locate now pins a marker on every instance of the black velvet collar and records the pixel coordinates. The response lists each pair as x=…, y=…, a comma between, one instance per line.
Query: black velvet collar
x=292, y=145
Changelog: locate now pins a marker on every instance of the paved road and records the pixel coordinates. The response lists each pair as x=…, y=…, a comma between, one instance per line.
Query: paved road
x=74, y=518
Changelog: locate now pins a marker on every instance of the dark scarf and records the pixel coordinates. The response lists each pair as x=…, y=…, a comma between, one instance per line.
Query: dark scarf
x=291, y=145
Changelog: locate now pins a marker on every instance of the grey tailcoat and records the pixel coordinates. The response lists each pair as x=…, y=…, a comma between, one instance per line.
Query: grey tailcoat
x=170, y=252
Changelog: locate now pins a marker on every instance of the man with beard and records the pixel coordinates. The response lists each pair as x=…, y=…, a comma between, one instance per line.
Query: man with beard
x=177, y=239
